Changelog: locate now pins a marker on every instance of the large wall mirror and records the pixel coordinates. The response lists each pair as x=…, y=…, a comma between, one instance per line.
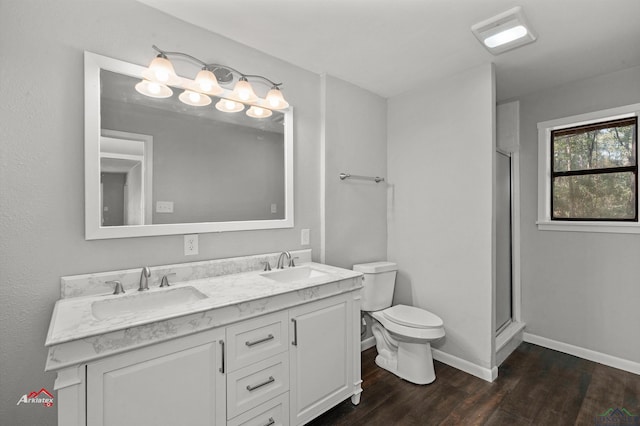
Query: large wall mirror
x=159, y=167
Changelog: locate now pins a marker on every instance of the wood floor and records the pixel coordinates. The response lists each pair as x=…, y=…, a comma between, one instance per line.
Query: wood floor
x=535, y=386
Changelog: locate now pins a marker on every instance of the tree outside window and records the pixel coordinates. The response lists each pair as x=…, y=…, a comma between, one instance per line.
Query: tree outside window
x=594, y=172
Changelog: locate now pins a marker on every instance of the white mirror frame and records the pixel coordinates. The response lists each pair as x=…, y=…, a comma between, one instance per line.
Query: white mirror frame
x=93, y=63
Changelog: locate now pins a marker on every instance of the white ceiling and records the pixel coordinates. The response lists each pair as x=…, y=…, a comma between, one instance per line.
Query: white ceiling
x=388, y=46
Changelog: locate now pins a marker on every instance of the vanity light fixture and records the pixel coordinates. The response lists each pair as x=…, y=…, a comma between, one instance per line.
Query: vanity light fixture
x=504, y=32
x=161, y=71
x=258, y=112
x=243, y=91
x=207, y=83
x=227, y=105
x=275, y=99
x=160, y=75
x=192, y=98
x=154, y=90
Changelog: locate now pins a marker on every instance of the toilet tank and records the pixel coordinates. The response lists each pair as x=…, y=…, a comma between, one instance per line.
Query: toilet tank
x=379, y=282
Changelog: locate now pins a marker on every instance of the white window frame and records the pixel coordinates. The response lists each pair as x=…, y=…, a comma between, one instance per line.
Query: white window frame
x=544, y=173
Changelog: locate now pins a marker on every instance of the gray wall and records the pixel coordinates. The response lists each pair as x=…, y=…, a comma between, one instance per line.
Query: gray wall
x=441, y=148
x=578, y=288
x=355, y=141
x=42, y=167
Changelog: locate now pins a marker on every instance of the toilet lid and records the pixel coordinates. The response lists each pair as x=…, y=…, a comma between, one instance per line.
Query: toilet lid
x=412, y=317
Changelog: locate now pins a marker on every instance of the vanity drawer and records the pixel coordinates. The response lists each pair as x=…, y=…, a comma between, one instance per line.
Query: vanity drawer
x=274, y=412
x=258, y=339
x=253, y=385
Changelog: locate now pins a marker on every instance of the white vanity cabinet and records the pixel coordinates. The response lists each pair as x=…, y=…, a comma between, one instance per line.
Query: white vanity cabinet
x=179, y=382
x=258, y=370
x=279, y=359
x=321, y=356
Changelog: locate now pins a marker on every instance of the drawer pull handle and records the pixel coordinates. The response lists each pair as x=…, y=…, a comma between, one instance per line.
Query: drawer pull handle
x=255, y=342
x=270, y=422
x=221, y=369
x=295, y=332
x=259, y=385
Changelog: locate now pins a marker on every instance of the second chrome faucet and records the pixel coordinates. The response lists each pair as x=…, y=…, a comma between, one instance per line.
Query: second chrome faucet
x=280, y=264
x=144, y=279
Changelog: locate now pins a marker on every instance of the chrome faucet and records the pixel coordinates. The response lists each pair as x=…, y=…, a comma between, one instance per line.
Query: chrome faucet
x=144, y=279
x=280, y=264
x=164, y=282
x=118, y=286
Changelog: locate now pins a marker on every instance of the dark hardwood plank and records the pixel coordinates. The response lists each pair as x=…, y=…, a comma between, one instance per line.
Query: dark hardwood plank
x=535, y=386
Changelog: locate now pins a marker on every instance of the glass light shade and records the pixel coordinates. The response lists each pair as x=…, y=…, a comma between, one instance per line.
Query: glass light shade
x=275, y=99
x=194, y=98
x=258, y=112
x=227, y=105
x=206, y=82
x=243, y=91
x=506, y=36
x=161, y=71
x=153, y=89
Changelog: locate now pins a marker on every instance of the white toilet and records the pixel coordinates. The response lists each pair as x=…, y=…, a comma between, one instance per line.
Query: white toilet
x=403, y=333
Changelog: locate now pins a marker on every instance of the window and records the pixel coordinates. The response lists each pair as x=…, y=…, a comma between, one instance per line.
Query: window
x=593, y=171
x=588, y=172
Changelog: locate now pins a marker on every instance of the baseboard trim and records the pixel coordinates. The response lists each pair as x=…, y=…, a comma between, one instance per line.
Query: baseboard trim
x=508, y=333
x=488, y=374
x=508, y=340
x=367, y=343
x=599, y=357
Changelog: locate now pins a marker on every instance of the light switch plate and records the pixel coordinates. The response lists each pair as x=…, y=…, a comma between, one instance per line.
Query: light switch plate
x=304, y=237
x=190, y=244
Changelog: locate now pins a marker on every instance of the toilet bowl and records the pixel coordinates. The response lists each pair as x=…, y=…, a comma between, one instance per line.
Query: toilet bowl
x=403, y=333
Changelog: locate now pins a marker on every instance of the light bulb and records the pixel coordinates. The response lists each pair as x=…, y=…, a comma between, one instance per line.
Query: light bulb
x=161, y=71
x=506, y=36
x=275, y=99
x=258, y=112
x=207, y=82
x=194, y=98
x=227, y=105
x=243, y=91
x=153, y=89
x=161, y=75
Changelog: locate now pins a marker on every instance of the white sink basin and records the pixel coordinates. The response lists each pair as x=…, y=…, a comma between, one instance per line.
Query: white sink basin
x=296, y=273
x=145, y=301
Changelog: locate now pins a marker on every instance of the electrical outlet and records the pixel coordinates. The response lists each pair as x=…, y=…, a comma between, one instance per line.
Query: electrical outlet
x=304, y=237
x=190, y=244
x=164, y=207
x=274, y=208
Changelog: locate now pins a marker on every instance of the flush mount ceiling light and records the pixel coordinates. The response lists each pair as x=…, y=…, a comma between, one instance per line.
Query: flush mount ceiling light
x=505, y=31
x=160, y=75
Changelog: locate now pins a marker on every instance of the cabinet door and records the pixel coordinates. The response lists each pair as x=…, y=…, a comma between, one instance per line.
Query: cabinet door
x=173, y=383
x=321, y=356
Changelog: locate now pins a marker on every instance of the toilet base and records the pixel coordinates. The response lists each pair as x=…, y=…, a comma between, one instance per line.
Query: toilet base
x=409, y=359
x=413, y=363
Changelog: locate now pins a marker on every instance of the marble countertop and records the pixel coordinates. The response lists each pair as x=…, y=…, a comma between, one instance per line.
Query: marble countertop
x=234, y=297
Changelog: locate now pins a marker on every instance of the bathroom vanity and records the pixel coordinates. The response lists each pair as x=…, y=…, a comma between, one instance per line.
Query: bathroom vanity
x=226, y=343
